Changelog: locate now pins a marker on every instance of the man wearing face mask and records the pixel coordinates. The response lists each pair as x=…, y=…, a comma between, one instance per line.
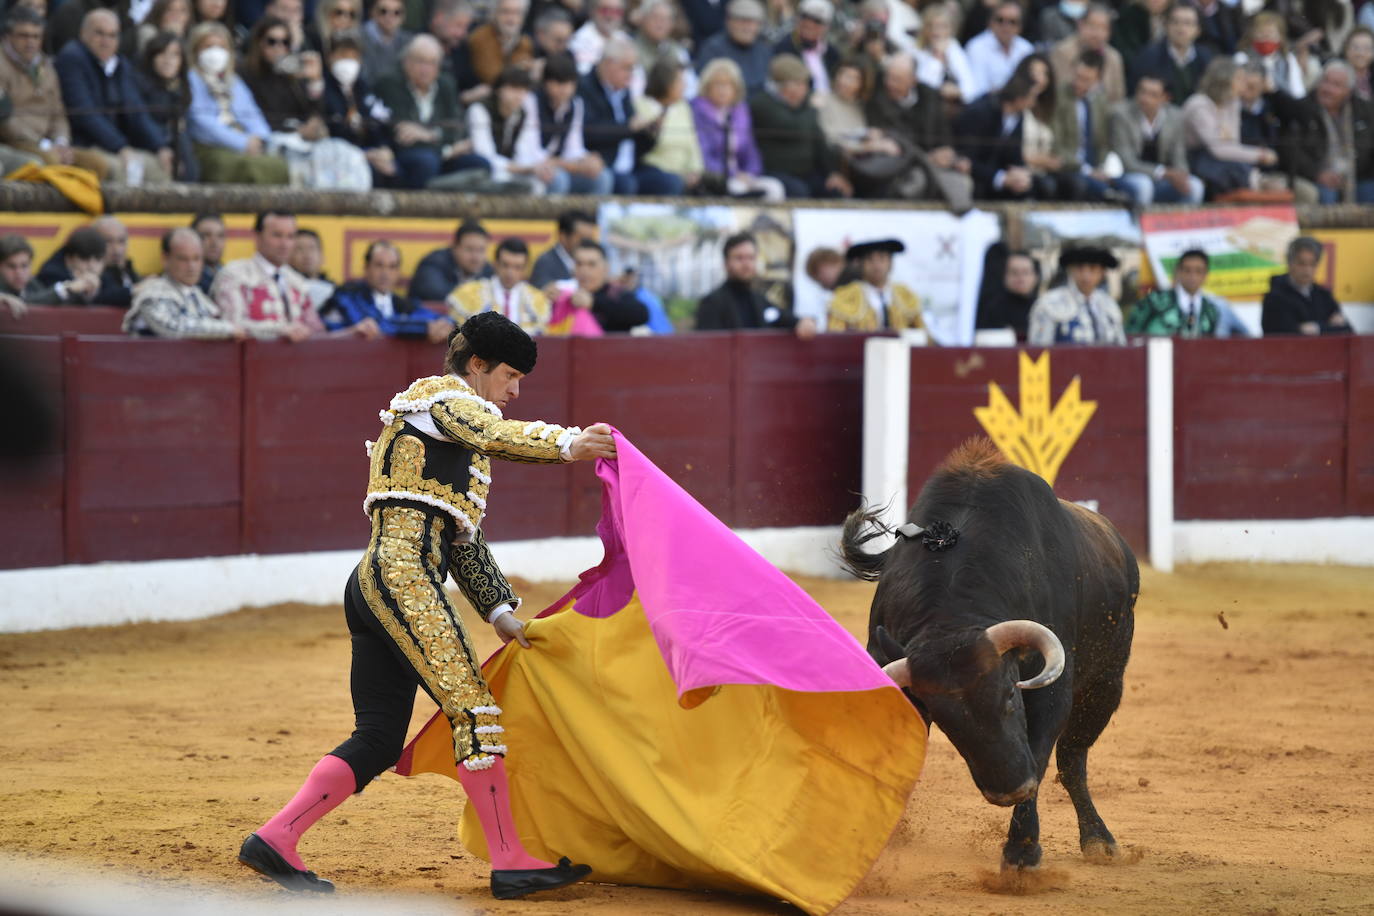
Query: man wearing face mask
x=352, y=112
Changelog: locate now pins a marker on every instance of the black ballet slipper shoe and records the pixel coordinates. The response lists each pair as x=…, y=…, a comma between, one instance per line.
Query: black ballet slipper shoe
x=510, y=883
x=266, y=861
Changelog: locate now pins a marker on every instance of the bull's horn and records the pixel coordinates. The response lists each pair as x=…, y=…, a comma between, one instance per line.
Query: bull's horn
x=1012, y=634
x=899, y=672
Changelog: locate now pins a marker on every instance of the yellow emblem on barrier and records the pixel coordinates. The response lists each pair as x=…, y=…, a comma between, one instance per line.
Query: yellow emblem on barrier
x=1038, y=437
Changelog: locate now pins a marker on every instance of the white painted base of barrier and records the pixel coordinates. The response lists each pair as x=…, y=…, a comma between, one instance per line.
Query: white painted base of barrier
x=104, y=594
x=1343, y=541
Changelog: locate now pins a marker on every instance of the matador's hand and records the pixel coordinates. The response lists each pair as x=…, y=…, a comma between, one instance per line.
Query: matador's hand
x=595, y=442
x=509, y=627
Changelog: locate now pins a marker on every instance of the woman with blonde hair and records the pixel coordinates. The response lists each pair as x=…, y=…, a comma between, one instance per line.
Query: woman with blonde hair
x=725, y=130
x=228, y=132
x=940, y=60
x=1266, y=43
x=1211, y=131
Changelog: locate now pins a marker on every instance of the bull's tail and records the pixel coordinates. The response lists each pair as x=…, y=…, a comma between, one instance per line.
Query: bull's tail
x=861, y=526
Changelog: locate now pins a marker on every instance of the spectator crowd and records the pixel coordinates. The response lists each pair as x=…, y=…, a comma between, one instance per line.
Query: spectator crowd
x=946, y=100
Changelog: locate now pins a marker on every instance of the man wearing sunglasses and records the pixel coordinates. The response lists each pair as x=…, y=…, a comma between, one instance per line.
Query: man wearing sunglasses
x=383, y=39
x=994, y=53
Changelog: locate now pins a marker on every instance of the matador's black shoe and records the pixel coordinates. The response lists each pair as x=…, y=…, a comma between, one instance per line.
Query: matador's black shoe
x=507, y=884
x=266, y=861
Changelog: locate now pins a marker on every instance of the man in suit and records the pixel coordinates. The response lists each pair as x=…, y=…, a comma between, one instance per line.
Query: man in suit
x=1094, y=34
x=612, y=131
x=574, y=227
x=1147, y=134
x=105, y=108
x=1296, y=303
x=444, y=269
x=427, y=123
x=737, y=304
x=989, y=135
x=1328, y=140
x=1080, y=134
x=171, y=304
x=505, y=292
x=741, y=41
x=1176, y=59
x=262, y=293
x=371, y=307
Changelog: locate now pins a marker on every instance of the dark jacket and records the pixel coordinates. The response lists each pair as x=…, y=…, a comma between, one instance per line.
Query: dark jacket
x=369, y=128
x=617, y=309
x=601, y=132
x=788, y=45
x=116, y=284
x=1220, y=30
x=922, y=125
x=1006, y=310
x=1155, y=60
x=283, y=99
x=168, y=109
x=354, y=302
x=438, y=274
x=395, y=93
x=753, y=60
x=1285, y=308
x=105, y=111
x=549, y=268
x=738, y=305
x=790, y=140
x=1303, y=143
x=979, y=133
x=1261, y=128
x=706, y=17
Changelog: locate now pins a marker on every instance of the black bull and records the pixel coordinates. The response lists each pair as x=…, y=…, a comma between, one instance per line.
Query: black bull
x=992, y=585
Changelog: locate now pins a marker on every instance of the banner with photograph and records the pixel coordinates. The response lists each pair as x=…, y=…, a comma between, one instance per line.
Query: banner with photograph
x=942, y=263
x=1246, y=245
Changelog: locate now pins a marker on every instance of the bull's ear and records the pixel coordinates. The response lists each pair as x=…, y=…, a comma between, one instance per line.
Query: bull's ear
x=891, y=649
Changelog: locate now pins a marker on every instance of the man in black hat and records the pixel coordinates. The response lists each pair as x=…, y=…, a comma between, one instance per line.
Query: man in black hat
x=737, y=304
x=1080, y=312
x=873, y=301
x=426, y=496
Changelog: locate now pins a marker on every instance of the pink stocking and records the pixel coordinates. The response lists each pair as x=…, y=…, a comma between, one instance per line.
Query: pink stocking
x=329, y=783
x=490, y=792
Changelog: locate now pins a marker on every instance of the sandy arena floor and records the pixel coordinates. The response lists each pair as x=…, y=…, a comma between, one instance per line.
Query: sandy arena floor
x=1238, y=766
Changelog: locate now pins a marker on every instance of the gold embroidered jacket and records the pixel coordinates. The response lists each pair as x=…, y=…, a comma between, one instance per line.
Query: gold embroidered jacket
x=850, y=311
x=531, y=306
x=437, y=442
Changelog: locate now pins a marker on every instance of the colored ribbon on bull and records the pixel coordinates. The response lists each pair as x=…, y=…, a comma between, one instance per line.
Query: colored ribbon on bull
x=688, y=717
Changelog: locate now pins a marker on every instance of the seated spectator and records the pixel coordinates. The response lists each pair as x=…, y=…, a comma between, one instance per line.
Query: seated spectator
x=825, y=267
x=873, y=302
x=1147, y=135
x=1296, y=303
x=940, y=60
x=18, y=286
x=613, y=307
x=1266, y=43
x=505, y=291
x=869, y=44
x=789, y=136
x=307, y=259
x=676, y=149
x=990, y=136
x=210, y=228
x=1185, y=310
x=228, y=132
x=725, y=132
x=445, y=269
x=605, y=21
x=841, y=112
x=994, y=53
x=117, y=276
x=807, y=42
x=37, y=124
x=574, y=227
x=172, y=303
x=1220, y=27
x=704, y=17
x=742, y=43
x=506, y=133
x=1177, y=60
x=736, y=303
x=914, y=116
x=105, y=109
x=73, y=275
x=1080, y=132
x=553, y=31
x=173, y=16
x=449, y=21
x=1211, y=132
x=352, y=112
x=1054, y=24
x=656, y=20
x=1039, y=148
x=384, y=39
x=332, y=19
x=262, y=294
x=1093, y=33
x=1359, y=54
x=428, y=130
x=1009, y=305
x=613, y=128
x=499, y=44
x=162, y=80
x=1259, y=111
x=1081, y=311
x=1139, y=25
x=216, y=11
x=291, y=12
x=561, y=115
x=282, y=97
x=372, y=308
x=1328, y=141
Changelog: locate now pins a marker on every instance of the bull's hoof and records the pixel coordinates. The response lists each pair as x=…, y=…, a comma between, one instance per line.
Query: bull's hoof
x=1097, y=851
x=1021, y=856
x=1009, y=867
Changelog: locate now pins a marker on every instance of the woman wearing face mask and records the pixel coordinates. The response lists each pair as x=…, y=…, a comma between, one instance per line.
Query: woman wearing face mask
x=351, y=112
x=1266, y=41
x=228, y=132
x=283, y=98
x=161, y=77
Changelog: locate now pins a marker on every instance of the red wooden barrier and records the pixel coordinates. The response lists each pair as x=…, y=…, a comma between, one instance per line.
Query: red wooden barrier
x=1107, y=463
x=32, y=490
x=1359, y=466
x=153, y=449
x=44, y=320
x=1260, y=428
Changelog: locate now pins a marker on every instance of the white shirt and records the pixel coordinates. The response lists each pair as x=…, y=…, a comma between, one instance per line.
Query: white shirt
x=932, y=71
x=877, y=299
x=527, y=151
x=990, y=63
x=587, y=44
x=384, y=304
x=424, y=104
